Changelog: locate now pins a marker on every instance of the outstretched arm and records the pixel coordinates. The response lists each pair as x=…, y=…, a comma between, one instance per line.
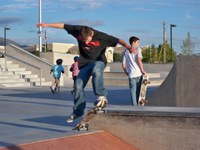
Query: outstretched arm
x=124, y=44
x=52, y=25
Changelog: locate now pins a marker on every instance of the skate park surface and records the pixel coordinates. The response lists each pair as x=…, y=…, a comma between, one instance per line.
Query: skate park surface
x=34, y=118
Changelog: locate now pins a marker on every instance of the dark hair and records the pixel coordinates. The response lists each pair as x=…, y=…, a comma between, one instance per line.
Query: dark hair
x=76, y=58
x=85, y=32
x=59, y=61
x=133, y=39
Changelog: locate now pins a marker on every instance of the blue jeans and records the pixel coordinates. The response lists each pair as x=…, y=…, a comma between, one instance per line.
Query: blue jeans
x=134, y=86
x=94, y=69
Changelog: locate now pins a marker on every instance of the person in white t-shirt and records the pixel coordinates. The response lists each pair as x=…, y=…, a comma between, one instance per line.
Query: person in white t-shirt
x=133, y=67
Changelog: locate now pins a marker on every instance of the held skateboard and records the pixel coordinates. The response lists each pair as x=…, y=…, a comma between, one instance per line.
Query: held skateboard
x=84, y=123
x=143, y=90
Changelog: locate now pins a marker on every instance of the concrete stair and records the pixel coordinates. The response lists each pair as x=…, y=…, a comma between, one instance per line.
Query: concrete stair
x=9, y=79
x=121, y=79
x=16, y=76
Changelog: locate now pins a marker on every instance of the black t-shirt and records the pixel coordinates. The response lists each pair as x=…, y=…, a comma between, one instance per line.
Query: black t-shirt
x=95, y=50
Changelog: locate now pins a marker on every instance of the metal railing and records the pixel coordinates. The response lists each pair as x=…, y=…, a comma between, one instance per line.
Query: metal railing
x=29, y=61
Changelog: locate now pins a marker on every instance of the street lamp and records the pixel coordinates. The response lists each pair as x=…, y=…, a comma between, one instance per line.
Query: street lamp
x=40, y=28
x=5, y=44
x=171, y=26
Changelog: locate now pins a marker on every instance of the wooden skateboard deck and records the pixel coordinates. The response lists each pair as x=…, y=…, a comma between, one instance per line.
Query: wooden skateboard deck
x=84, y=124
x=143, y=90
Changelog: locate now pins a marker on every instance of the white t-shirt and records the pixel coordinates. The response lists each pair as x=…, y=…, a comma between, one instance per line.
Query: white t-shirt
x=131, y=62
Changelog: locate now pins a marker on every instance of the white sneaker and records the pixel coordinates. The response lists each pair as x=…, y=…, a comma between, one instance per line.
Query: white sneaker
x=101, y=102
x=72, y=117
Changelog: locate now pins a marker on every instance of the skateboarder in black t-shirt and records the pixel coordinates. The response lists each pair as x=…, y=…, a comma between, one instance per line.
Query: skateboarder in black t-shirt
x=92, y=46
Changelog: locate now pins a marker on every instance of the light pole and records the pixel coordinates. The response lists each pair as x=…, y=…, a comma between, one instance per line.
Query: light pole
x=5, y=47
x=164, y=42
x=40, y=28
x=171, y=26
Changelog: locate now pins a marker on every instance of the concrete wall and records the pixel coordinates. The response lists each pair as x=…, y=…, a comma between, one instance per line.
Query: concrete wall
x=181, y=87
x=51, y=57
x=188, y=87
x=68, y=60
x=149, y=130
x=1, y=48
x=63, y=48
x=149, y=67
x=59, y=47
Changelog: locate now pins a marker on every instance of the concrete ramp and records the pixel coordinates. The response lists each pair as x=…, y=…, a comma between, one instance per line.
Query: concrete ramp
x=181, y=87
x=92, y=141
x=153, y=128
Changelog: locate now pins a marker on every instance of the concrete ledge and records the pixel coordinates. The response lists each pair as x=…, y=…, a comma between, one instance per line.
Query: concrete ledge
x=155, y=111
x=152, y=128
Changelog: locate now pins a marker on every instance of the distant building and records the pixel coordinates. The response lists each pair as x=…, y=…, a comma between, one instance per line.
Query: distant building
x=109, y=54
x=73, y=49
x=2, y=51
x=119, y=49
x=59, y=47
x=1, y=47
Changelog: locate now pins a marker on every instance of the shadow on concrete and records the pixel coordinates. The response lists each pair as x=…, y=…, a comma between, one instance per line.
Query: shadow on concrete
x=22, y=126
x=38, y=103
x=114, y=96
x=9, y=146
x=54, y=120
x=42, y=95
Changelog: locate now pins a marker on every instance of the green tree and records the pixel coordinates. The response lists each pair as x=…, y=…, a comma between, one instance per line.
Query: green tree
x=146, y=55
x=188, y=45
x=117, y=57
x=154, y=53
x=168, y=53
x=160, y=53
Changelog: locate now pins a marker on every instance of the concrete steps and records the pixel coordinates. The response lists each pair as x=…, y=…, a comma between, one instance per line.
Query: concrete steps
x=125, y=82
x=9, y=79
x=16, y=76
x=16, y=84
x=123, y=75
x=121, y=79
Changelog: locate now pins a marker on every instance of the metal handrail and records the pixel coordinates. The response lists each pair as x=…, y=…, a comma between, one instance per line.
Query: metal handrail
x=28, y=53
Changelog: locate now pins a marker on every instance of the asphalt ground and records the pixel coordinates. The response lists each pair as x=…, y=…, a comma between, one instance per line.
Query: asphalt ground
x=35, y=114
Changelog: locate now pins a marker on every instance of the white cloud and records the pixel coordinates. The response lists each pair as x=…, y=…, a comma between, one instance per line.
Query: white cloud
x=17, y=5
x=9, y=20
x=188, y=16
x=80, y=4
x=142, y=9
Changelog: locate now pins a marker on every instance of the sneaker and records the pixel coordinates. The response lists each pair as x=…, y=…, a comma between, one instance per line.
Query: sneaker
x=101, y=102
x=72, y=117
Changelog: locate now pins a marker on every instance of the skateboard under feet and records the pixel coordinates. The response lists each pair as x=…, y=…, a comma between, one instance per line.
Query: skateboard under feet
x=84, y=124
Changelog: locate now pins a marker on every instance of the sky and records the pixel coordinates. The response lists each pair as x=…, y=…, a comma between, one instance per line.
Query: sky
x=120, y=18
